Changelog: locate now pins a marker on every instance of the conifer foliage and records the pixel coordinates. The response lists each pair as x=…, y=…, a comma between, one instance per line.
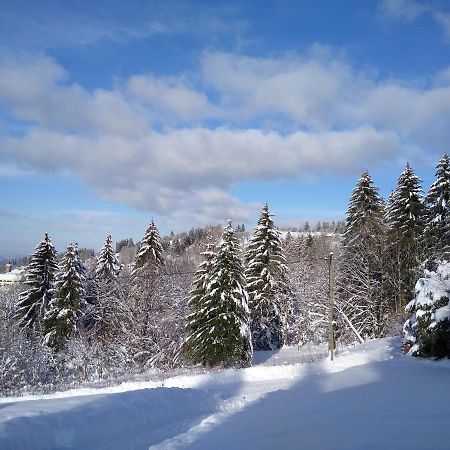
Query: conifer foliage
x=110, y=307
x=197, y=297
x=219, y=325
x=360, y=280
x=150, y=255
x=437, y=229
x=267, y=284
x=67, y=302
x=428, y=328
x=108, y=267
x=405, y=219
x=40, y=274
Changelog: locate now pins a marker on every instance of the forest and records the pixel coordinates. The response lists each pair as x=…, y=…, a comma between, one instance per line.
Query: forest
x=210, y=297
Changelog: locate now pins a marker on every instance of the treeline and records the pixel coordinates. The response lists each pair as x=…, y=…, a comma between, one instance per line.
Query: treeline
x=387, y=246
x=213, y=296
x=318, y=227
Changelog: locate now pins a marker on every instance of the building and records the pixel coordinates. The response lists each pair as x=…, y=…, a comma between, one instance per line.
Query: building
x=14, y=276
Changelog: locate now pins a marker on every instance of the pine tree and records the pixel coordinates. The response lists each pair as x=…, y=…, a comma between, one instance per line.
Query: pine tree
x=361, y=263
x=405, y=217
x=437, y=228
x=197, y=297
x=66, y=305
x=108, y=267
x=223, y=335
x=267, y=284
x=40, y=274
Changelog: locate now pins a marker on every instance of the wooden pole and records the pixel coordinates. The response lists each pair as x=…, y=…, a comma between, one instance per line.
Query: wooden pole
x=331, y=343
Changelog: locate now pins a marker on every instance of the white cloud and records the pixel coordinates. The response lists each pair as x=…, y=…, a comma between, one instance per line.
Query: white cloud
x=410, y=10
x=193, y=169
x=317, y=115
x=49, y=24
x=171, y=97
x=407, y=10
x=307, y=90
x=443, y=20
x=37, y=90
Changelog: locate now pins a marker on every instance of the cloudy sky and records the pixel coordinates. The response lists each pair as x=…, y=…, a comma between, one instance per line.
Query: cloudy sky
x=192, y=112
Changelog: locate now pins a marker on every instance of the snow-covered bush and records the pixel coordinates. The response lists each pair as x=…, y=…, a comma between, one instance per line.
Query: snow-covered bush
x=428, y=328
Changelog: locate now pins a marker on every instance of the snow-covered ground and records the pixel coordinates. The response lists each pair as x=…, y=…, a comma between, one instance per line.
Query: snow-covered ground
x=370, y=397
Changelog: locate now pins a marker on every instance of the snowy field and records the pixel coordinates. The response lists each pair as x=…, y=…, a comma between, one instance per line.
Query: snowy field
x=370, y=397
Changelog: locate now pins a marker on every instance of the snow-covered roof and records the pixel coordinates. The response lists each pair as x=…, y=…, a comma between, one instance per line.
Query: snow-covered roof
x=12, y=277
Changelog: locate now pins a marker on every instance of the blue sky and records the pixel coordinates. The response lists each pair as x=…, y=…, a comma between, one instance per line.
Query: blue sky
x=192, y=112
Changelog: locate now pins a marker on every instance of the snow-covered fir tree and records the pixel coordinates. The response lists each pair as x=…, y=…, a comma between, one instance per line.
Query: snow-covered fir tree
x=192, y=347
x=146, y=271
x=65, y=308
x=146, y=302
x=108, y=266
x=40, y=274
x=437, y=201
x=150, y=253
x=267, y=284
x=405, y=218
x=428, y=328
x=361, y=264
x=223, y=336
x=109, y=305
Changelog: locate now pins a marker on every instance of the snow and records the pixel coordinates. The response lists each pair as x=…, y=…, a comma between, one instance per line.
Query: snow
x=14, y=276
x=360, y=400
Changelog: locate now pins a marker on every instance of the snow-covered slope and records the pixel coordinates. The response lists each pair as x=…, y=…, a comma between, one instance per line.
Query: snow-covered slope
x=369, y=397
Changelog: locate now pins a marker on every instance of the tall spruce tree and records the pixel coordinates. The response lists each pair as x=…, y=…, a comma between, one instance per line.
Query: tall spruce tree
x=108, y=306
x=267, y=284
x=146, y=271
x=60, y=321
x=40, y=274
x=361, y=268
x=150, y=253
x=437, y=201
x=197, y=297
x=222, y=336
x=147, y=303
x=108, y=267
x=405, y=217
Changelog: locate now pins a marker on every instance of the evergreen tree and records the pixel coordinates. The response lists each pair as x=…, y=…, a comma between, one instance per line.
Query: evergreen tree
x=405, y=217
x=67, y=301
x=267, y=284
x=108, y=267
x=361, y=268
x=437, y=229
x=108, y=305
x=40, y=274
x=222, y=336
x=150, y=253
x=146, y=272
x=198, y=295
x=147, y=303
x=428, y=328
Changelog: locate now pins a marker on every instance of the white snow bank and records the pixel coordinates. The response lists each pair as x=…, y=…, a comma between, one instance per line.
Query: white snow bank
x=361, y=400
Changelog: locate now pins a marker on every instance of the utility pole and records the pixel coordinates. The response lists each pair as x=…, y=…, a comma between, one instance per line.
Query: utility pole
x=331, y=343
